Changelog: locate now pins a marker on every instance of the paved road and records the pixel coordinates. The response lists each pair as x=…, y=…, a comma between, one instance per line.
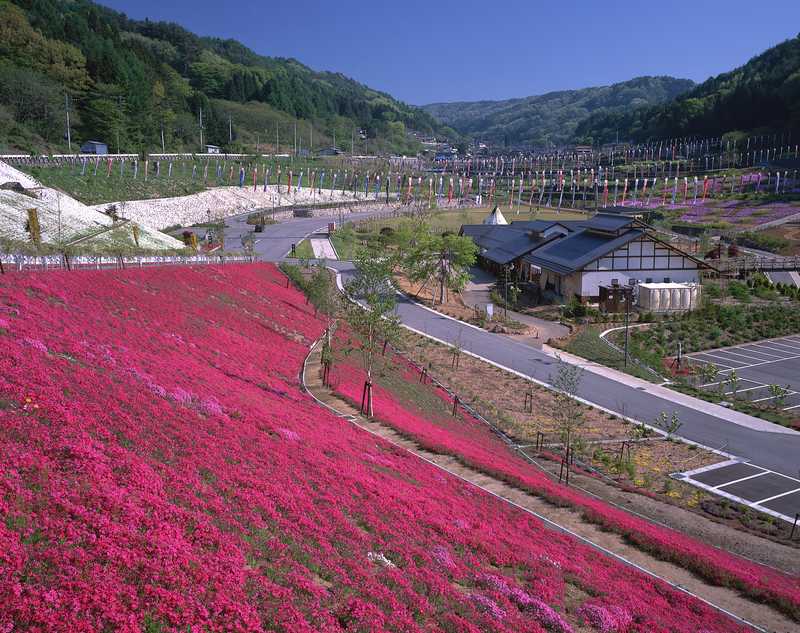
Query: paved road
x=766, y=445
x=277, y=239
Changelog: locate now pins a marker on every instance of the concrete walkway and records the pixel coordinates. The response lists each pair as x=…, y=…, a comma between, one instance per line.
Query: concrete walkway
x=477, y=293
x=322, y=247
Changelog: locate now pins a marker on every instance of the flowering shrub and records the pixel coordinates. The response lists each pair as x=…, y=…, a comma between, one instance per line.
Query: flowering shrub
x=163, y=471
x=473, y=443
x=737, y=213
x=606, y=619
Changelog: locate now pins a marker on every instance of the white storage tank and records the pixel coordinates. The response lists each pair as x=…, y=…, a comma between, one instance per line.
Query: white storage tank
x=668, y=297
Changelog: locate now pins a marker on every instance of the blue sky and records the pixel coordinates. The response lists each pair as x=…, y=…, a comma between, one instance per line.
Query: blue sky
x=447, y=50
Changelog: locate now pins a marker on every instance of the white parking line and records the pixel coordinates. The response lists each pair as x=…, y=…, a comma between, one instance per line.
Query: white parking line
x=736, y=481
x=783, y=352
x=742, y=382
x=785, y=395
x=768, y=362
x=783, y=494
x=760, y=386
x=730, y=360
x=709, y=362
x=755, y=351
x=780, y=344
x=792, y=407
x=750, y=358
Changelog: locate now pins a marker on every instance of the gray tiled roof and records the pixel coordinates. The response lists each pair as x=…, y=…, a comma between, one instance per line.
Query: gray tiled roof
x=512, y=249
x=575, y=251
x=604, y=222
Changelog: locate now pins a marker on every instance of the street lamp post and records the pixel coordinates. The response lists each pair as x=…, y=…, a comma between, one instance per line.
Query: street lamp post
x=508, y=268
x=627, y=297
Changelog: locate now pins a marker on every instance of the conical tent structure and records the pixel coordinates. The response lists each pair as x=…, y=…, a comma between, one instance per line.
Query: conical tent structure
x=495, y=217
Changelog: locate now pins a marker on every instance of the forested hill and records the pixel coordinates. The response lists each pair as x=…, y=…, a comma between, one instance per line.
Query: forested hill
x=552, y=118
x=127, y=80
x=763, y=95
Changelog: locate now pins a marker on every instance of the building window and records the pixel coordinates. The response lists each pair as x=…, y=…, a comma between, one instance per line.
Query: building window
x=666, y=280
x=649, y=280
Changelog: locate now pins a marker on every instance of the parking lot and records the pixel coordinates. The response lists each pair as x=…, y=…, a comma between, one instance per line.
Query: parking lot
x=759, y=488
x=758, y=365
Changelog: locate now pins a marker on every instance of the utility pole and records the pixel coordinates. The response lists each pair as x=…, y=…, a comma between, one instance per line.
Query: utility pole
x=334, y=138
x=163, y=147
x=230, y=129
x=311, y=138
x=295, y=138
x=119, y=106
x=69, y=134
x=628, y=297
x=277, y=140
x=258, y=138
x=353, y=142
x=201, y=129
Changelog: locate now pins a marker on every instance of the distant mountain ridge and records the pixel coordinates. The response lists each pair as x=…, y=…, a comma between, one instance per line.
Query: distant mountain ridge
x=552, y=118
x=763, y=94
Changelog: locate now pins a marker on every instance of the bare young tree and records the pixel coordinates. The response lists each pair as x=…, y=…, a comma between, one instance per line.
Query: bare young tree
x=369, y=313
x=322, y=293
x=568, y=411
x=669, y=424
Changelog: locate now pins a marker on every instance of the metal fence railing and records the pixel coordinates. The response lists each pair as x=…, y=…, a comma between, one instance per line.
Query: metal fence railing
x=41, y=263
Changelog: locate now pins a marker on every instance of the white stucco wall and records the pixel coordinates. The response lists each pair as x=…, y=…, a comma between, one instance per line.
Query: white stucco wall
x=591, y=281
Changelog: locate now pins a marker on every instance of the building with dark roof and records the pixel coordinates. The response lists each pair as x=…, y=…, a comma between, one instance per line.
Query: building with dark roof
x=576, y=257
x=94, y=147
x=501, y=245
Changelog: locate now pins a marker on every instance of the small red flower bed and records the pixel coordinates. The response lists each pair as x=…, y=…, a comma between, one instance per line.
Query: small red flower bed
x=163, y=471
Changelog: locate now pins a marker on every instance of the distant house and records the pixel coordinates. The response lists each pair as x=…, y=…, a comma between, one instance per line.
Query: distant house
x=94, y=147
x=213, y=149
x=574, y=258
x=630, y=212
x=330, y=151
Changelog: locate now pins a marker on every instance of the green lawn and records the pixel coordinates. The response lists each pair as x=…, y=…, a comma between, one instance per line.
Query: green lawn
x=345, y=243
x=715, y=326
x=91, y=189
x=304, y=251
x=588, y=345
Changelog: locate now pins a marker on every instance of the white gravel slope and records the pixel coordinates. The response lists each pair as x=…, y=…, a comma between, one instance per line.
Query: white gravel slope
x=76, y=219
x=219, y=202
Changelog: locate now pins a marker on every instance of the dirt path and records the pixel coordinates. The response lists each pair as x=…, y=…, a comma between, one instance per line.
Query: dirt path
x=723, y=598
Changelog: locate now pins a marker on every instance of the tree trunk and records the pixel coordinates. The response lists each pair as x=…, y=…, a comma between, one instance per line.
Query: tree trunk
x=366, y=398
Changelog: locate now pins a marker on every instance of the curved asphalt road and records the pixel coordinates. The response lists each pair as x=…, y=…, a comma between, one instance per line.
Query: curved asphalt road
x=778, y=450
x=277, y=239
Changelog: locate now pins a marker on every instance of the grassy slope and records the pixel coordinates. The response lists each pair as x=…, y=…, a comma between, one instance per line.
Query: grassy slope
x=587, y=344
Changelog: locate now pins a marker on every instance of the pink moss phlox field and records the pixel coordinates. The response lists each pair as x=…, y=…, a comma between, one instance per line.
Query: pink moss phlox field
x=162, y=470
x=473, y=443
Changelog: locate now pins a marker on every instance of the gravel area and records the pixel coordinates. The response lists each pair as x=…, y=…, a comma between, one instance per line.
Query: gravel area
x=219, y=202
